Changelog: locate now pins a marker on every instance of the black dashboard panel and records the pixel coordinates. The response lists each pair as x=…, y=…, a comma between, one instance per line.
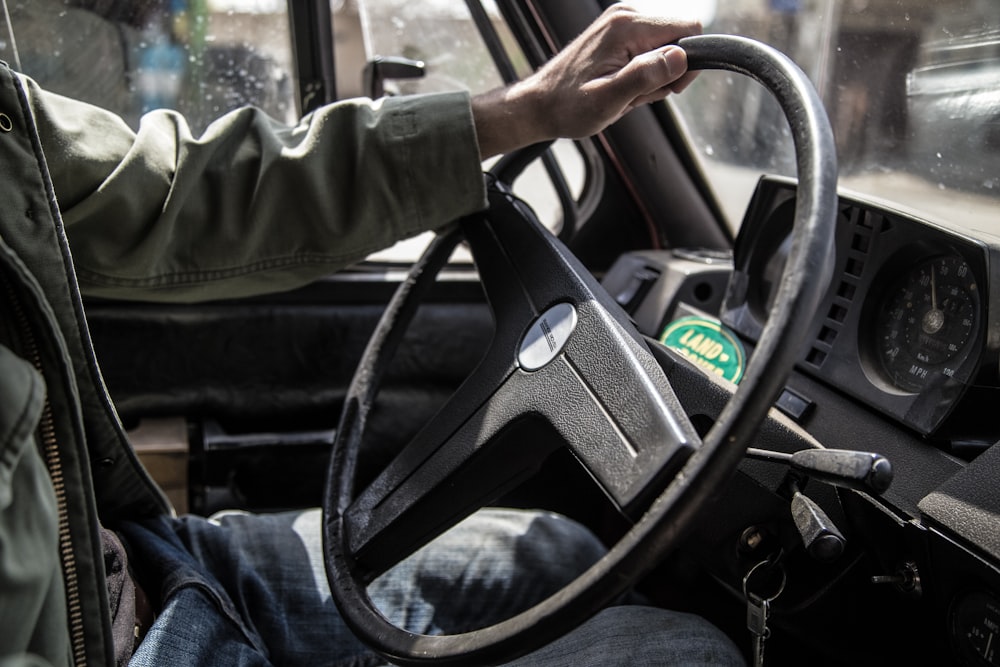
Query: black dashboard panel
x=905, y=324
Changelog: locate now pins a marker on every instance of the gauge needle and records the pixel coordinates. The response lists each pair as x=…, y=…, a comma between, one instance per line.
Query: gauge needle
x=933, y=290
x=933, y=319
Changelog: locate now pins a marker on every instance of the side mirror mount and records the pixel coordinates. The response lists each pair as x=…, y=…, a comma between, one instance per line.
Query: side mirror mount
x=380, y=68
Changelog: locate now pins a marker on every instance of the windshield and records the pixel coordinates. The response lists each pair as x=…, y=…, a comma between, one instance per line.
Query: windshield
x=912, y=89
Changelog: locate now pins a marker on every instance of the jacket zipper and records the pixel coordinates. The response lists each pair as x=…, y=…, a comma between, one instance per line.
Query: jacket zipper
x=53, y=461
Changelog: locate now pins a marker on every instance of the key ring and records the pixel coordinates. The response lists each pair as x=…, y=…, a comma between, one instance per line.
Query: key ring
x=769, y=562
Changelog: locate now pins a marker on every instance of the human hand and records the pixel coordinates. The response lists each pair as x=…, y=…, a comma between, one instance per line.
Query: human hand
x=622, y=60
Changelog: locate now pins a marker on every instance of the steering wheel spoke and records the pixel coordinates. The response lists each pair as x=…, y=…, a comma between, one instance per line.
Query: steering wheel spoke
x=508, y=297
x=454, y=466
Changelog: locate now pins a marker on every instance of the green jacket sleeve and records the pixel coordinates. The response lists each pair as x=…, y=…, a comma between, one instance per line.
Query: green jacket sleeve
x=252, y=205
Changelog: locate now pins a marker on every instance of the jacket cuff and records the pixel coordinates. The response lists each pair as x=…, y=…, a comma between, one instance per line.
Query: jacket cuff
x=438, y=167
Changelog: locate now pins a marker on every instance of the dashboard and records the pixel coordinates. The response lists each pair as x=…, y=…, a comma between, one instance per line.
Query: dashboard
x=902, y=359
x=908, y=325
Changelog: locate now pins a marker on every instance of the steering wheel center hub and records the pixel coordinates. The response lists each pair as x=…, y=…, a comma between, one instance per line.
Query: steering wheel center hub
x=546, y=337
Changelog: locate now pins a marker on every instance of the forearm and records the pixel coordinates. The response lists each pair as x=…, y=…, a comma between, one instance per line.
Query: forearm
x=252, y=206
x=507, y=119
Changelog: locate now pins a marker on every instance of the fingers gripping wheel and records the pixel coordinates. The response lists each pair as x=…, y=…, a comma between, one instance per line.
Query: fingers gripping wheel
x=563, y=352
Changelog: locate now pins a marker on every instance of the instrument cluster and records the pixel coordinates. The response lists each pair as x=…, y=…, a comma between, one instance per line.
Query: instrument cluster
x=905, y=323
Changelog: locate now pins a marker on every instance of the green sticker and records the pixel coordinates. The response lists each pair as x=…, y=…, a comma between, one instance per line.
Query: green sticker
x=708, y=344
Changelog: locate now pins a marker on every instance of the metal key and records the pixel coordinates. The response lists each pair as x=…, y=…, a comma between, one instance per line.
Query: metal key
x=758, y=610
x=759, y=607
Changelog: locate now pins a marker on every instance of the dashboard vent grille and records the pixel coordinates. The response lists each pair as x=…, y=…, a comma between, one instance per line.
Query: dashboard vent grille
x=862, y=227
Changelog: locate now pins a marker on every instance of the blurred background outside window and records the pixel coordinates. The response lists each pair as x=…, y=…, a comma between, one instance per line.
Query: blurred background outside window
x=912, y=89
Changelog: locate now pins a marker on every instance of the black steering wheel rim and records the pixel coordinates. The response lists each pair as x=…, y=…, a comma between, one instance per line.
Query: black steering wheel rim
x=705, y=470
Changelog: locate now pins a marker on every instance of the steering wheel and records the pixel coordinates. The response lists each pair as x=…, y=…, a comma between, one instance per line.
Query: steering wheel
x=565, y=353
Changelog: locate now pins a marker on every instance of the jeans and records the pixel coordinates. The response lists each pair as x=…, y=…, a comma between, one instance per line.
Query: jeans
x=250, y=589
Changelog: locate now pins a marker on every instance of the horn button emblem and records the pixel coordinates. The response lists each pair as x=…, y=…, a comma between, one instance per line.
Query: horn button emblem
x=546, y=337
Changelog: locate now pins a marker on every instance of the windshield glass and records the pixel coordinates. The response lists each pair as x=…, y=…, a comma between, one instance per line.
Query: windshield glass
x=912, y=89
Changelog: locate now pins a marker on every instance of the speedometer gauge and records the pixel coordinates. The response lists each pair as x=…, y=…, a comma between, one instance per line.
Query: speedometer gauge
x=975, y=627
x=925, y=321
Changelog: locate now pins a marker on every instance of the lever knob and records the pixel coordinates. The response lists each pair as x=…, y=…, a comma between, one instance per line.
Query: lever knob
x=863, y=471
x=822, y=538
